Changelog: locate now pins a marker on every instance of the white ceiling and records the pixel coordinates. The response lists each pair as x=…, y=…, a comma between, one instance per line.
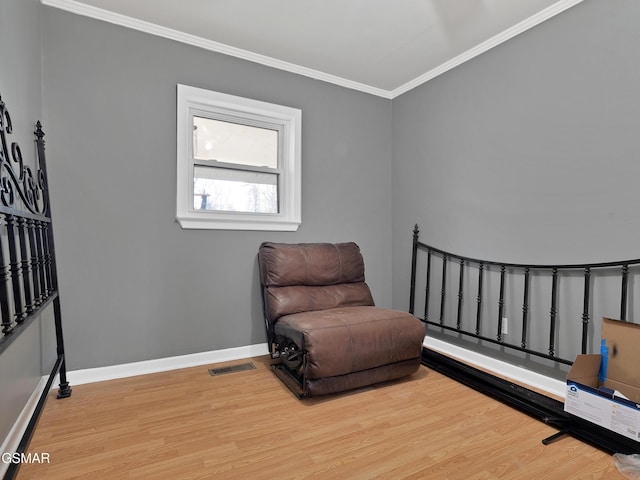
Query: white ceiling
x=383, y=47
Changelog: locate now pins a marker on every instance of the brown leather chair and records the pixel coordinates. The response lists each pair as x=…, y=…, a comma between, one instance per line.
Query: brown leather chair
x=322, y=325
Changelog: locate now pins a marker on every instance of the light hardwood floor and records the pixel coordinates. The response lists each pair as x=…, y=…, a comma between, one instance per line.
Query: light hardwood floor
x=186, y=424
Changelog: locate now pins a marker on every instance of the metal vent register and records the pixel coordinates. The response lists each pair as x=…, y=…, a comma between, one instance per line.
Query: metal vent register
x=241, y=367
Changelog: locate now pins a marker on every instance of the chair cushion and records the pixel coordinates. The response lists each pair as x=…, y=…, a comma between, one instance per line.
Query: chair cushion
x=343, y=340
x=281, y=301
x=311, y=276
x=318, y=264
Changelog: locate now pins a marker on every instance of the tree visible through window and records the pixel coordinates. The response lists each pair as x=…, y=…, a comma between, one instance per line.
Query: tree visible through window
x=241, y=162
x=236, y=167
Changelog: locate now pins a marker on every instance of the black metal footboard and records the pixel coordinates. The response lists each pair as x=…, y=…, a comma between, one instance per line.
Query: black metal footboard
x=28, y=273
x=540, y=315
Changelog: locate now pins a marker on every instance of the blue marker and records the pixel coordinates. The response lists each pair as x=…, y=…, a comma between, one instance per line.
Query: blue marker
x=604, y=352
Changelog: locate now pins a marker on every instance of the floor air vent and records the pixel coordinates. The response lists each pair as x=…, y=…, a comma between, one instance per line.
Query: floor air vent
x=241, y=367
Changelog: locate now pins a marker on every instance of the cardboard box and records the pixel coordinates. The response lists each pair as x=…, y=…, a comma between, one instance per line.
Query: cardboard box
x=615, y=404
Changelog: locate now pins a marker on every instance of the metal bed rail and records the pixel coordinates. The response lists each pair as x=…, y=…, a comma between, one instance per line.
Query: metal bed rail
x=444, y=309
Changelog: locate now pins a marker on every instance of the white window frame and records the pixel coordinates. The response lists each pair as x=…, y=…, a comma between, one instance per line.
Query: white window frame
x=192, y=100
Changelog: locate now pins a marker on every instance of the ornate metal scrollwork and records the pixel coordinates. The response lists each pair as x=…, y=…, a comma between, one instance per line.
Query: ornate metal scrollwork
x=17, y=180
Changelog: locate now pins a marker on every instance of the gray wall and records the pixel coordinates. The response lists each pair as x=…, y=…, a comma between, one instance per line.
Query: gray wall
x=529, y=152
x=33, y=353
x=134, y=285
x=526, y=153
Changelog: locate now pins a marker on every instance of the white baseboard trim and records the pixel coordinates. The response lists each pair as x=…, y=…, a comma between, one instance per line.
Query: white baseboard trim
x=91, y=375
x=12, y=440
x=112, y=372
x=503, y=369
x=99, y=374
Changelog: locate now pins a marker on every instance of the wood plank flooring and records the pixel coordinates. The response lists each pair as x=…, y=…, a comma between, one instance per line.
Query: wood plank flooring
x=186, y=424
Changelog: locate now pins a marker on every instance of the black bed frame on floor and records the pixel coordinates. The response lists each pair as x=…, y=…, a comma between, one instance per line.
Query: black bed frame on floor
x=28, y=274
x=447, y=304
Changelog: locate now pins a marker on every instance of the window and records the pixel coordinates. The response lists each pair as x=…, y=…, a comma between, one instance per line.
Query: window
x=238, y=162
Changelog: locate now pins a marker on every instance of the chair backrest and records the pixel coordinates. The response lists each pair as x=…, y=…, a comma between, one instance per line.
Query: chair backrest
x=311, y=276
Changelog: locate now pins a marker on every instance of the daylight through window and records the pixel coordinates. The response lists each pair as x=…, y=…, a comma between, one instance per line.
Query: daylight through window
x=238, y=162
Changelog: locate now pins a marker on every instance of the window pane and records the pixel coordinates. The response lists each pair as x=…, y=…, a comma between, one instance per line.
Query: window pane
x=226, y=190
x=234, y=143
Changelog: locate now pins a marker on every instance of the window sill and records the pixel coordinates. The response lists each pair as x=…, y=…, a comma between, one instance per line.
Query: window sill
x=205, y=222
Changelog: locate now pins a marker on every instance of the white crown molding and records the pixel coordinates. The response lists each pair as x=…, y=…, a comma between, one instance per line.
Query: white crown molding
x=79, y=8
x=494, y=41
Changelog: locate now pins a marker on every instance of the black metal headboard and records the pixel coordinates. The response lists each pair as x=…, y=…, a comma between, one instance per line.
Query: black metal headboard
x=556, y=312
x=28, y=274
x=513, y=286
